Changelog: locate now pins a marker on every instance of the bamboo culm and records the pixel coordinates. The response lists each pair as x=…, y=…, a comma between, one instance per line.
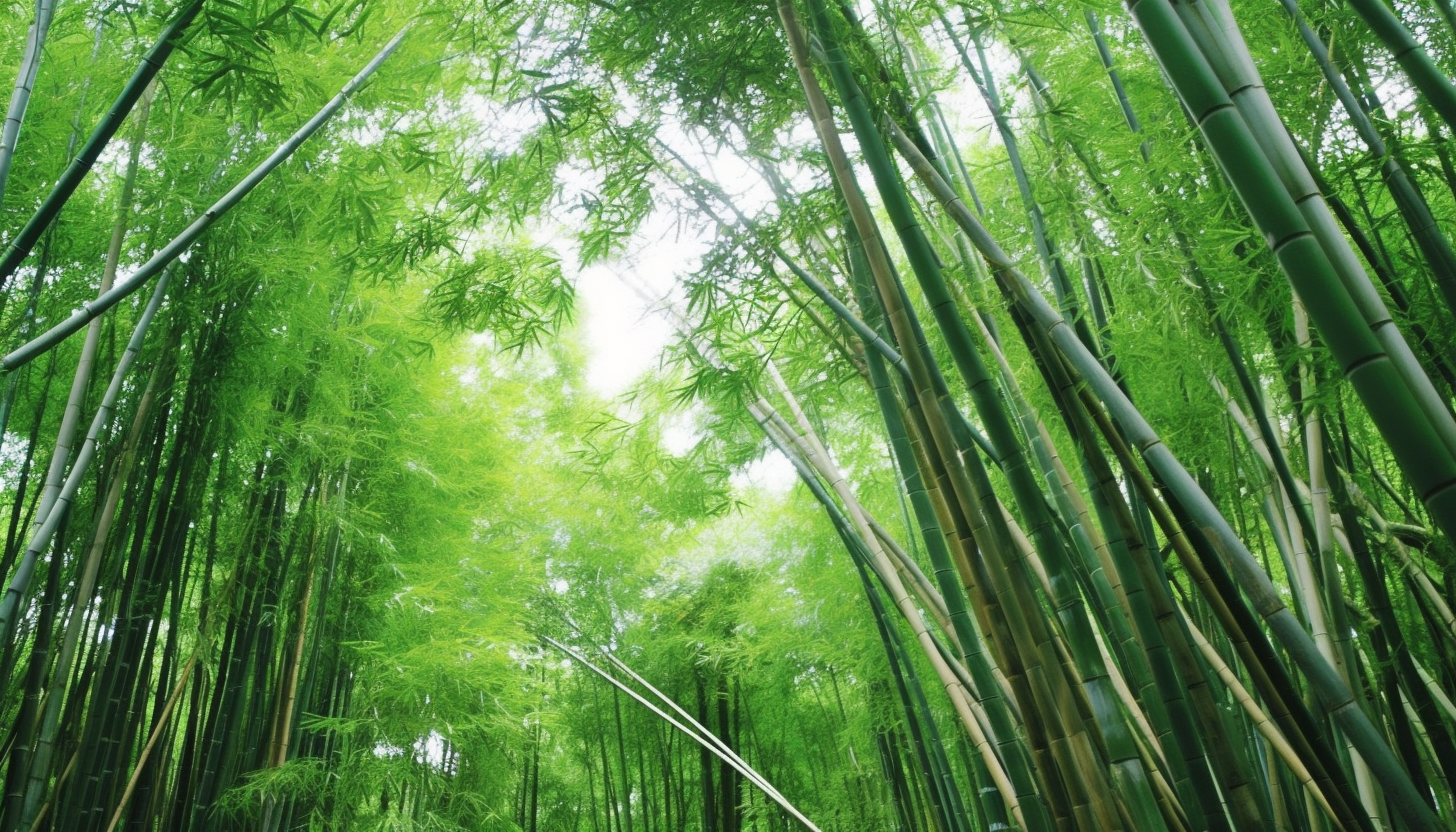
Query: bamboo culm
x=159, y=261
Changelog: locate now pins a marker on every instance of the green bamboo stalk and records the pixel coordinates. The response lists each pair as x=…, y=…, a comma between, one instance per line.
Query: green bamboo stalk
x=989, y=763
x=1104, y=55
x=929, y=749
x=1408, y=198
x=35, y=39
x=1094, y=26
x=1269, y=674
x=48, y=524
x=1013, y=753
x=1097, y=577
x=1159, y=22
x=818, y=456
x=52, y=486
x=1018, y=639
x=1428, y=78
x=159, y=261
x=69, y=180
x=40, y=767
x=1261, y=720
x=1211, y=26
x=1388, y=639
x=1127, y=766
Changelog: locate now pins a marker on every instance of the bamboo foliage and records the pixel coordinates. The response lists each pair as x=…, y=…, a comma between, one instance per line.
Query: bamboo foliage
x=1111, y=518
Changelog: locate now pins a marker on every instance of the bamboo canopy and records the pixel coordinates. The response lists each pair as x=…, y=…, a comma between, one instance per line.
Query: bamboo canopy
x=1010, y=416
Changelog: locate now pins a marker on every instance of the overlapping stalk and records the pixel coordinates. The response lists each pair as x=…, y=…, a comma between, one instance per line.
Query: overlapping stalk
x=183, y=241
x=20, y=246
x=1409, y=200
x=1334, y=694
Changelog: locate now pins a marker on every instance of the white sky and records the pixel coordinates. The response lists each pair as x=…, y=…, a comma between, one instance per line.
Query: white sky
x=625, y=334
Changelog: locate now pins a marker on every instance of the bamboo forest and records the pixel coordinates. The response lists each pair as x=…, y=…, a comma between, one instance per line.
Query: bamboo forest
x=728, y=415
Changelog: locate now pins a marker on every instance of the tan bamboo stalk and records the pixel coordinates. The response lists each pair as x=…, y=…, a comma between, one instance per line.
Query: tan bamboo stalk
x=965, y=706
x=1325, y=593
x=278, y=741
x=1095, y=540
x=812, y=452
x=927, y=595
x=162, y=719
x=981, y=598
x=1319, y=489
x=1336, y=698
x=1261, y=451
x=978, y=729
x=1233, y=774
x=960, y=537
x=278, y=750
x=1063, y=741
x=1261, y=721
x=925, y=592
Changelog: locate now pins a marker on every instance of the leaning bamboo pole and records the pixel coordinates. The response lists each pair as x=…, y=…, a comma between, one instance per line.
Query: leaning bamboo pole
x=1075, y=725
x=48, y=523
x=35, y=39
x=101, y=135
x=799, y=449
x=741, y=768
x=1209, y=65
x=938, y=431
x=945, y=795
x=805, y=450
x=1409, y=200
x=91, y=310
x=1434, y=84
x=1334, y=695
x=1262, y=723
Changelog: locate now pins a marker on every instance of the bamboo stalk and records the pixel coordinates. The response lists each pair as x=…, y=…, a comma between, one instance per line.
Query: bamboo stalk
x=156, y=735
x=35, y=39
x=1334, y=695
x=159, y=261
x=51, y=521
x=743, y=769
x=101, y=135
x=1433, y=84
